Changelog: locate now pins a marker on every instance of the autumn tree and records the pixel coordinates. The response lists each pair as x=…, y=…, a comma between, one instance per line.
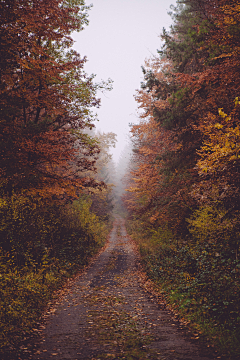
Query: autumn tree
x=195, y=74
x=216, y=221
x=162, y=167
x=203, y=45
x=45, y=110
x=46, y=97
x=183, y=194
x=47, y=160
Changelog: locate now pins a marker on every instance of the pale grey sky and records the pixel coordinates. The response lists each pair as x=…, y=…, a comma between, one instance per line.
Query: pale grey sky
x=120, y=36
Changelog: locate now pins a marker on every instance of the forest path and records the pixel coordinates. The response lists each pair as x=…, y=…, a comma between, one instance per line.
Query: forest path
x=107, y=315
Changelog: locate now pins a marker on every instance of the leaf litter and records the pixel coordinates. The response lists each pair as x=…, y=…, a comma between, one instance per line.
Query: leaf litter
x=113, y=312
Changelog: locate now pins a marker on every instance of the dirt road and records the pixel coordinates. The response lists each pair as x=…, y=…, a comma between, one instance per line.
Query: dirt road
x=107, y=315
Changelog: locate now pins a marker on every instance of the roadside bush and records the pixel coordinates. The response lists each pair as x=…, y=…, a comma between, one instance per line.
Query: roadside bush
x=217, y=226
x=201, y=280
x=42, y=243
x=23, y=295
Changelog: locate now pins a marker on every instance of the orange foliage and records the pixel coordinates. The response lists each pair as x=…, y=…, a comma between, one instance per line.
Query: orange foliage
x=152, y=193
x=45, y=98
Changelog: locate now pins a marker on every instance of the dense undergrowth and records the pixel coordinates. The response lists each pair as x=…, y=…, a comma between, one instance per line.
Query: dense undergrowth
x=42, y=244
x=200, y=280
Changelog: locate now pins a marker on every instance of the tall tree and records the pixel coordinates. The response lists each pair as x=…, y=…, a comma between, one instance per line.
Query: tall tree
x=196, y=74
x=46, y=97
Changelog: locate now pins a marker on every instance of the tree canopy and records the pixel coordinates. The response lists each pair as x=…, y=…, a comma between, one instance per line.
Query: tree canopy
x=46, y=98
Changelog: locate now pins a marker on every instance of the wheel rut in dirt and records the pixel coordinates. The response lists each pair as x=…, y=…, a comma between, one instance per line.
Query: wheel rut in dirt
x=107, y=315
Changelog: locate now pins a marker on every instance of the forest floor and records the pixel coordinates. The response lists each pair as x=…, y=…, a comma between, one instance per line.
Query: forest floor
x=107, y=313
